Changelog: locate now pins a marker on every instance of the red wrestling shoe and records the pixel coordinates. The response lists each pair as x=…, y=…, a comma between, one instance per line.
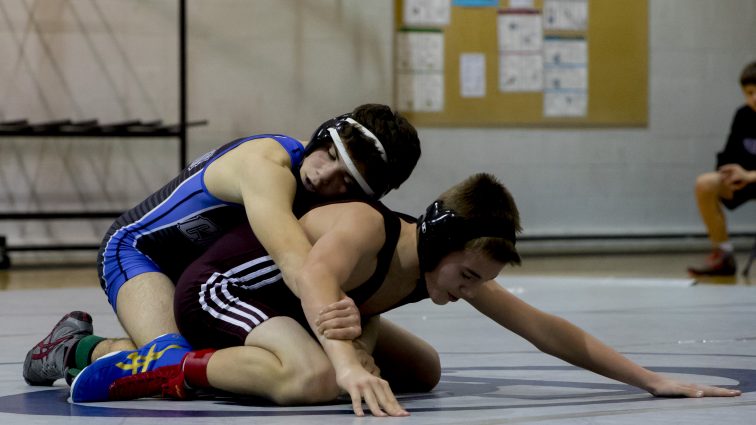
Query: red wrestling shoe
x=166, y=381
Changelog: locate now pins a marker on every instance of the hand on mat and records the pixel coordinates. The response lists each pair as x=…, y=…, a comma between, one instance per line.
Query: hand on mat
x=340, y=320
x=667, y=387
x=361, y=385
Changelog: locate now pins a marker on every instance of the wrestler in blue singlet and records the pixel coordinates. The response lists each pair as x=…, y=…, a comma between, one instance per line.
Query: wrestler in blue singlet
x=174, y=226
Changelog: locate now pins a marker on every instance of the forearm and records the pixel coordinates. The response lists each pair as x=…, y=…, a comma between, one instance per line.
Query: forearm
x=369, y=334
x=575, y=346
x=318, y=291
x=287, y=245
x=290, y=265
x=751, y=177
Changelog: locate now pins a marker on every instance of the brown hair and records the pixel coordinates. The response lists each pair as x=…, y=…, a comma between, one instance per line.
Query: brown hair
x=483, y=196
x=748, y=75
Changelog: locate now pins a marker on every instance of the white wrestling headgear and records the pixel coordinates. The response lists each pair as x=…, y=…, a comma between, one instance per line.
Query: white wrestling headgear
x=344, y=154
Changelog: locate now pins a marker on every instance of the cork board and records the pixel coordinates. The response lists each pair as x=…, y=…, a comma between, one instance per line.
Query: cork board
x=616, y=64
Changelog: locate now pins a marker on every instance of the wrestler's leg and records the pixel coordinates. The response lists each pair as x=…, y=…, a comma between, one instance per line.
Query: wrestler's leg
x=111, y=345
x=408, y=362
x=280, y=361
x=145, y=307
x=145, y=310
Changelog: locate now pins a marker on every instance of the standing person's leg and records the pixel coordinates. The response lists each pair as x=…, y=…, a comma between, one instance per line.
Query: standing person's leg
x=710, y=193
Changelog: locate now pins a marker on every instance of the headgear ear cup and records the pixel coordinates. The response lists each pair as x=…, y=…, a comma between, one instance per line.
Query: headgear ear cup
x=436, y=229
x=441, y=231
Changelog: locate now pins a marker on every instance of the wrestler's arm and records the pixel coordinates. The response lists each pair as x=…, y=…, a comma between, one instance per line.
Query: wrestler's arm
x=258, y=175
x=364, y=344
x=268, y=194
x=352, y=237
x=560, y=338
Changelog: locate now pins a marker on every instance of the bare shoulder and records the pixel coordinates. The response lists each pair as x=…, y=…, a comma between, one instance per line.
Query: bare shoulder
x=352, y=212
x=358, y=218
x=264, y=149
x=253, y=157
x=259, y=166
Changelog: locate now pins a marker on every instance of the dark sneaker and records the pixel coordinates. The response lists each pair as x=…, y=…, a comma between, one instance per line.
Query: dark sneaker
x=719, y=263
x=46, y=362
x=127, y=375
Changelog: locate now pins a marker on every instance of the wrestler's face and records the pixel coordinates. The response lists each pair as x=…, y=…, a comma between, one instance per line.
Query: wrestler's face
x=460, y=275
x=324, y=173
x=749, y=91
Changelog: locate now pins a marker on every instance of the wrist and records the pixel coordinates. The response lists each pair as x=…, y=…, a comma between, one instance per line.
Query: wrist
x=651, y=382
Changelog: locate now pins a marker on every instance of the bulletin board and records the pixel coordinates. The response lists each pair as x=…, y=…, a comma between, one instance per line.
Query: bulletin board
x=616, y=37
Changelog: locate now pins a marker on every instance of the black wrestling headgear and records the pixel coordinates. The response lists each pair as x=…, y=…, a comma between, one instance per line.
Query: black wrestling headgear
x=329, y=131
x=441, y=231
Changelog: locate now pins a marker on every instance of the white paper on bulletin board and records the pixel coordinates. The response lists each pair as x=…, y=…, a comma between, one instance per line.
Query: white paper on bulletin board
x=427, y=13
x=420, y=92
x=568, y=15
x=564, y=103
x=420, y=50
x=472, y=74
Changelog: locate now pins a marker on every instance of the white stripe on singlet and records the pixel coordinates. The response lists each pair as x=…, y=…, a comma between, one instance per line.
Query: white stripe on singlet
x=222, y=310
x=216, y=288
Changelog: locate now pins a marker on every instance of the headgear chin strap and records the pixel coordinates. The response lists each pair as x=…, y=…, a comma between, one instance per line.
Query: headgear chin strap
x=330, y=129
x=441, y=231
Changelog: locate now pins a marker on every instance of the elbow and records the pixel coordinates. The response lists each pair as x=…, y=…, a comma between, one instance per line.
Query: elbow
x=555, y=335
x=293, y=282
x=306, y=280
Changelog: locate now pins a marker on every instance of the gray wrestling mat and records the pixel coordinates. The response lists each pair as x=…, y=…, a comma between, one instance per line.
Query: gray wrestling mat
x=701, y=333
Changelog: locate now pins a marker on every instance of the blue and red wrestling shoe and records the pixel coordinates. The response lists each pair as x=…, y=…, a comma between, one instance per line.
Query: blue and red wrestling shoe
x=127, y=375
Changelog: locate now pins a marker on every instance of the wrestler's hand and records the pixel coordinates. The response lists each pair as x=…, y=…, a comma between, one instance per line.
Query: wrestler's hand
x=340, y=320
x=666, y=387
x=361, y=385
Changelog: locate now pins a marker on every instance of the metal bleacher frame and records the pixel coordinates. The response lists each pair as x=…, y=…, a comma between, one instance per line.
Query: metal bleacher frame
x=93, y=129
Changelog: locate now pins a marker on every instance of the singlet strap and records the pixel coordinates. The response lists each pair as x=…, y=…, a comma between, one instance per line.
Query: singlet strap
x=392, y=225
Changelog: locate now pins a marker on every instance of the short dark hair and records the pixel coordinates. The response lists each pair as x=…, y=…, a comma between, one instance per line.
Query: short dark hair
x=748, y=75
x=398, y=137
x=483, y=196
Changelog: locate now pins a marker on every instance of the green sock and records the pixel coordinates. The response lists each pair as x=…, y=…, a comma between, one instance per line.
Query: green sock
x=84, y=350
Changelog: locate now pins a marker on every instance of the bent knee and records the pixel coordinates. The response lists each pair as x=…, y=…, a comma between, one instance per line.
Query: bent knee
x=314, y=384
x=708, y=183
x=417, y=377
x=430, y=376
